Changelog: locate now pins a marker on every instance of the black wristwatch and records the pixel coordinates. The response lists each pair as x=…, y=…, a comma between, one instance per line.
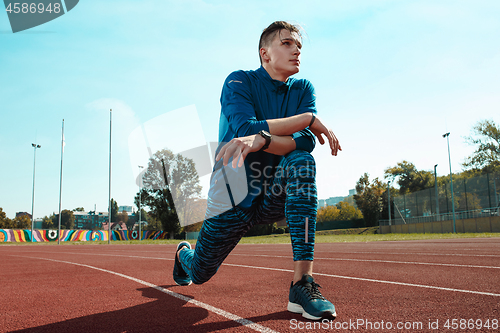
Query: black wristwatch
x=266, y=135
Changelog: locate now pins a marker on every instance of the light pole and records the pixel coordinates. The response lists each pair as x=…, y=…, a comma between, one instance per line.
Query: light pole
x=389, y=199
x=447, y=135
x=35, y=146
x=140, y=203
x=109, y=178
x=436, y=189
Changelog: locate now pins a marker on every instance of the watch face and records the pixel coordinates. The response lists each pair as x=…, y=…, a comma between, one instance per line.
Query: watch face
x=265, y=134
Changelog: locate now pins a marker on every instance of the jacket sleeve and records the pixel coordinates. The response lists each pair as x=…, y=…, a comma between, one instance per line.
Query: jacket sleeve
x=305, y=139
x=238, y=107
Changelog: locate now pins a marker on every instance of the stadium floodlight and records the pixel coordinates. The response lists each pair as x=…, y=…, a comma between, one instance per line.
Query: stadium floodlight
x=140, y=204
x=35, y=146
x=447, y=135
x=389, y=199
x=109, y=176
x=436, y=189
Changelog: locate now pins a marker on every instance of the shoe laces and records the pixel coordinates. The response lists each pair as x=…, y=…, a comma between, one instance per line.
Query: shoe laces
x=313, y=291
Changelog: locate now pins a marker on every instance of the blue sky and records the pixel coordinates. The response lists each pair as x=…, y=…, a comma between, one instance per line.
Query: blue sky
x=391, y=77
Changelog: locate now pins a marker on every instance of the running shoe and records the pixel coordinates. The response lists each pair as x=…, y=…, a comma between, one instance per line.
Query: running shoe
x=305, y=298
x=181, y=278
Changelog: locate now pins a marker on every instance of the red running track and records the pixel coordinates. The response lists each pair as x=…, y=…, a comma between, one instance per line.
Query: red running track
x=406, y=286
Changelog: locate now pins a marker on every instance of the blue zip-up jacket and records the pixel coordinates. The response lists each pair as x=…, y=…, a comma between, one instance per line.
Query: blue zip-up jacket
x=248, y=99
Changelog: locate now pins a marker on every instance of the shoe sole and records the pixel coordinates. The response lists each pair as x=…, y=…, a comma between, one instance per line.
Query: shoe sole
x=297, y=308
x=180, y=245
x=190, y=282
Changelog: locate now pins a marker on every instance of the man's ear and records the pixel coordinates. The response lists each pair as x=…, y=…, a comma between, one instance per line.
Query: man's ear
x=263, y=54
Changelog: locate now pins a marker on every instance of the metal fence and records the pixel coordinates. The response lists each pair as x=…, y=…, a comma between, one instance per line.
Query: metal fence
x=444, y=217
x=473, y=197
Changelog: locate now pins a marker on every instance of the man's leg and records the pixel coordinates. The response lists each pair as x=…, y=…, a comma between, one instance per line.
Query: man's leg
x=300, y=268
x=294, y=187
x=218, y=237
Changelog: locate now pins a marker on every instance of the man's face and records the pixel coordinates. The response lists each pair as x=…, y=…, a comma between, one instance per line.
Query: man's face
x=283, y=55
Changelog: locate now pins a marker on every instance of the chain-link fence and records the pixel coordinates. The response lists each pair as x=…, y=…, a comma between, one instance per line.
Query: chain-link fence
x=472, y=197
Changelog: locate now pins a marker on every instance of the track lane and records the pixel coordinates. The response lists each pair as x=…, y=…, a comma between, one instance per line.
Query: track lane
x=234, y=289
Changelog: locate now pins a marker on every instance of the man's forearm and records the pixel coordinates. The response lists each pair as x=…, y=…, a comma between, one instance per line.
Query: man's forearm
x=281, y=145
x=290, y=125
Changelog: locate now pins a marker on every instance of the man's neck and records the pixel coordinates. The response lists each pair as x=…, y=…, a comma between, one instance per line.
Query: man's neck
x=275, y=75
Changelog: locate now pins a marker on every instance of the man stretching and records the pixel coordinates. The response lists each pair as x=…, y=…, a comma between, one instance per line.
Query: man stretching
x=267, y=128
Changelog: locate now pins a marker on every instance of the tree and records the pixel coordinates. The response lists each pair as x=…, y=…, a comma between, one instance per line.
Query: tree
x=385, y=205
x=343, y=211
x=486, y=138
x=328, y=213
x=468, y=201
x=122, y=217
x=22, y=222
x=48, y=223
x=170, y=184
x=67, y=219
x=114, y=210
x=153, y=224
x=368, y=198
x=348, y=212
x=79, y=209
x=409, y=178
x=5, y=222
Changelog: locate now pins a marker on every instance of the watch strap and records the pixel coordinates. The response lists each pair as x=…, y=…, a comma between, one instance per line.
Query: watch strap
x=267, y=137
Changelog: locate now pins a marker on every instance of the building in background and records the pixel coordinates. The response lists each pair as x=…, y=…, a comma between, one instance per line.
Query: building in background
x=90, y=220
x=332, y=201
x=127, y=209
x=19, y=214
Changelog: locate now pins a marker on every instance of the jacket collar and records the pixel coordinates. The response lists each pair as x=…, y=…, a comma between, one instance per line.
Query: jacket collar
x=275, y=85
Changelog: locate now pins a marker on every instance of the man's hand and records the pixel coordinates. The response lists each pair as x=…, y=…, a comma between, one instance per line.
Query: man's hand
x=319, y=130
x=239, y=148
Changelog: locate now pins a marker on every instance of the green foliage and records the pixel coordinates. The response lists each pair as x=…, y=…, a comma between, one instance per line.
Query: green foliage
x=48, y=223
x=348, y=212
x=486, y=138
x=114, y=210
x=5, y=222
x=468, y=201
x=122, y=217
x=343, y=211
x=79, y=209
x=169, y=180
x=385, y=205
x=326, y=214
x=153, y=223
x=67, y=219
x=22, y=222
x=409, y=178
x=368, y=198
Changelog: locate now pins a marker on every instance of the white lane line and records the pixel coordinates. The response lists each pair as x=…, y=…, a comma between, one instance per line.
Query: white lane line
x=421, y=254
x=377, y=281
x=374, y=260
x=328, y=275
x=289, y=257
x=230, y=316
x=318, y=250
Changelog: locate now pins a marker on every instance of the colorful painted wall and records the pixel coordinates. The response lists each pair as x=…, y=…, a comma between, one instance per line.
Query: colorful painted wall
x=17, y=235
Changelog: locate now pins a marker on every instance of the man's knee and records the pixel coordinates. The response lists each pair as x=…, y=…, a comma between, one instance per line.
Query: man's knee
x=300, y=156
x=300, y=164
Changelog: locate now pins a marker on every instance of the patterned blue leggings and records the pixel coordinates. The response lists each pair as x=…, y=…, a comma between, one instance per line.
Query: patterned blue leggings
x=292, y=195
